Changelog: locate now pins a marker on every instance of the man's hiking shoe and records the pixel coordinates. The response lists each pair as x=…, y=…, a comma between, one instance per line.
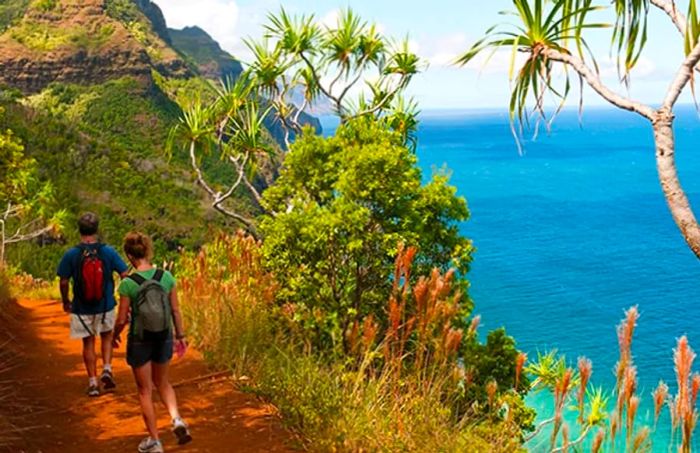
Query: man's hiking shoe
x=93, y=391
x=181, y=431
x=149, y=445
x=107, y=380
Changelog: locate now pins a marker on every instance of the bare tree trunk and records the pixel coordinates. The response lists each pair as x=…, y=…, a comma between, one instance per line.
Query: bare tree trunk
x=668, y=176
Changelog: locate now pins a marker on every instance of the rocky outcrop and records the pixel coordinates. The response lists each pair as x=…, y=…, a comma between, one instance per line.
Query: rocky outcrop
x=155, y=15
x=32, y=75
x=77, y=42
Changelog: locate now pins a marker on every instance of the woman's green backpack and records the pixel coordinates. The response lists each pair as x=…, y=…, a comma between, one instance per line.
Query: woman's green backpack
x=150, y=308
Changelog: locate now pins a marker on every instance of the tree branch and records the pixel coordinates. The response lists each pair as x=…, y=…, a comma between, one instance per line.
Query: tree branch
x=251, y=188
x=575, y=442
x=382, y=103
x=594, y=82
x=316, y=77
x=669, y=7
x=29, y=236
x=198, y=171
x=684, y=75
x=539, y=428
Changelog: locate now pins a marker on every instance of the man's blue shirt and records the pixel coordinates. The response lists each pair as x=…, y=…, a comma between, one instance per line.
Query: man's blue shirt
x=69, y=268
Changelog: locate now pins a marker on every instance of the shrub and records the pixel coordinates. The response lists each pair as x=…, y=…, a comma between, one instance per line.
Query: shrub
x=342, y=205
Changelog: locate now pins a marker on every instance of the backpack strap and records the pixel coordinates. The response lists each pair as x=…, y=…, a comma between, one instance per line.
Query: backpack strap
x=158, y=276
x=137, y=278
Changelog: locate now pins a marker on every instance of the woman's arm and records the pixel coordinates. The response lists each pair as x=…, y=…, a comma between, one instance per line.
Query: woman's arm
x=122, y=318
x=177, y=315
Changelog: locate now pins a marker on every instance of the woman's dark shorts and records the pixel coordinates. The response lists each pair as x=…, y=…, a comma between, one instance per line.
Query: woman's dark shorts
x=156, y=347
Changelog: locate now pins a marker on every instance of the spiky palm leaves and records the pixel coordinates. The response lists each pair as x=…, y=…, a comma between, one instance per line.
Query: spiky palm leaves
x=543, y=26
x=328, y=63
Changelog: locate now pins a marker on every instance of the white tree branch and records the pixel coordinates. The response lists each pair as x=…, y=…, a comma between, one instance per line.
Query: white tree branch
x=580, y=439
x=598, y=86
x=198, y=171
x=684, y=75
x=246, y=182
x=669, y=7
x=17, y=237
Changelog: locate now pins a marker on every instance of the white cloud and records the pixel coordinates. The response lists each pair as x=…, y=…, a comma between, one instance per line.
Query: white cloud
x=219, y=18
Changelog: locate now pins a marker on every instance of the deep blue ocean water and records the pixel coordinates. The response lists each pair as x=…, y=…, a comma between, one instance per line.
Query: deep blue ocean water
x=573, y=232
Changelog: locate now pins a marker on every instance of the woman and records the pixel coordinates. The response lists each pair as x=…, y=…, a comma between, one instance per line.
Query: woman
x=148, y=352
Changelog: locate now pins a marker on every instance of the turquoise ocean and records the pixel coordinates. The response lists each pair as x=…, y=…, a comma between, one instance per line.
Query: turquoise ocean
x=573, y=232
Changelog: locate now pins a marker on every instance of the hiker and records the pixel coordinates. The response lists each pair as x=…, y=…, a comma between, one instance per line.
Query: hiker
x=149, y=295
x=90, y=266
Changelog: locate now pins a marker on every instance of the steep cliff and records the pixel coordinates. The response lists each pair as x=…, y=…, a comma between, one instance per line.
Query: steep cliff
x=83, y=42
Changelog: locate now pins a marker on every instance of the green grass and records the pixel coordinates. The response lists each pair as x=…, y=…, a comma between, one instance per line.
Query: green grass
x=10, y=11
x=42, y=37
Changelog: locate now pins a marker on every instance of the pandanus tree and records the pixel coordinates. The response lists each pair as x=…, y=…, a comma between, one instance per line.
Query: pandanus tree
x=552, y=34
x=298, y=63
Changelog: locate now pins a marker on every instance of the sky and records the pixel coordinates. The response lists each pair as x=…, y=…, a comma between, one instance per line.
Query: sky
x=440, y=30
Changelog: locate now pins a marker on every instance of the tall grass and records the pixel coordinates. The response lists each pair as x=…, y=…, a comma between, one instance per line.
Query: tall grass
x=8, y=431
x=618, y=429
x=398, y=389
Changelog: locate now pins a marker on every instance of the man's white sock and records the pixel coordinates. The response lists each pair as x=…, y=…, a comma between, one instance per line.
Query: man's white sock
x=93, y=382
x=107, y=367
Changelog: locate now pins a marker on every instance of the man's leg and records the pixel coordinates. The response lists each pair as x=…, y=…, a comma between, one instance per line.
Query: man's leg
x=90, y=360
x=107, y=377
x=89, y=357
x=106, y=339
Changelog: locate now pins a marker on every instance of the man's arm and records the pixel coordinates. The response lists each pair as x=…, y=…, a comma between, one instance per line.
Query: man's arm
x=64, y=286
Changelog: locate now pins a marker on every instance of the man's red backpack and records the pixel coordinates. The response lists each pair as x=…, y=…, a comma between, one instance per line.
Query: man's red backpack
x=91, y=275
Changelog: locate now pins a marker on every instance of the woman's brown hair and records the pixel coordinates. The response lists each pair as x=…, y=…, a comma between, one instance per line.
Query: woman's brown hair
x=138, y=245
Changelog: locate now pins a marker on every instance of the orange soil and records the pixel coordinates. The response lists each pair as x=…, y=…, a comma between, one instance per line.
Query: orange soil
x=61, y=418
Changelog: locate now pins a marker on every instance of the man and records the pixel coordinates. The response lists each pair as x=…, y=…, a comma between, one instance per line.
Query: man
x=90, y=266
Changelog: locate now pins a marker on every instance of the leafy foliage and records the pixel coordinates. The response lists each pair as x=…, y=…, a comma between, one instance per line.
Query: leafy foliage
x=343, y=204
x=27, y=206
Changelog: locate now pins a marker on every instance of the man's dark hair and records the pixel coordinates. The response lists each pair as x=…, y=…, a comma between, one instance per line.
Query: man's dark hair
x=88, y=224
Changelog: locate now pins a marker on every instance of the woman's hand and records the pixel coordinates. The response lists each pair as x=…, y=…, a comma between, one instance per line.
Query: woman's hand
x=180, y=347
x=116, y=341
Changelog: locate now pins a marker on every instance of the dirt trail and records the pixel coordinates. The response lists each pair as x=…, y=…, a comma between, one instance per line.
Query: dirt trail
x=51, y=386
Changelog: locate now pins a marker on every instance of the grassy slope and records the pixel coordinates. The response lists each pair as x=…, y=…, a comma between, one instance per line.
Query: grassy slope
x=11, y=10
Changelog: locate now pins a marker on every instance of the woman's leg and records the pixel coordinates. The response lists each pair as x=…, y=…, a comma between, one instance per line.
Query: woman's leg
x=167, y=393
x=145, y=386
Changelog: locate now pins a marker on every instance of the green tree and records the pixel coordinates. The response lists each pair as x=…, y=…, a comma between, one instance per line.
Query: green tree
x=26, y=203
x=553, y=33
x=343, y=205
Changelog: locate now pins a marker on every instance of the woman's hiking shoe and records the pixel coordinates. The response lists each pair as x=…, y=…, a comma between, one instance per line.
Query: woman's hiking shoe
x=93, y=391
x=181, y=431
x=149, y=445
x=107, y=380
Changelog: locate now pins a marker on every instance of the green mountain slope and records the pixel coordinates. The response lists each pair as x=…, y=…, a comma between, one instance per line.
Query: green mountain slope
x=205, y=54
x=90, y=89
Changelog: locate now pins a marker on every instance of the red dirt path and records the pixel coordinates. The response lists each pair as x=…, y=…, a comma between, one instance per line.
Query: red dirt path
x=51, y=387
